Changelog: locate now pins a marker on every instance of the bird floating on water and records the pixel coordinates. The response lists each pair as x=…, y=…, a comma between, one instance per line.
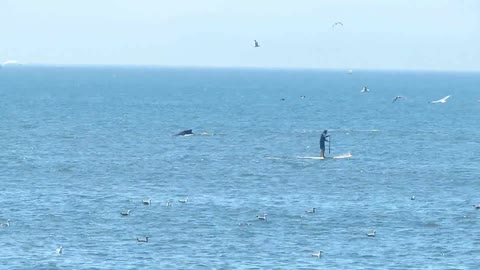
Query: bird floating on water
x=412, y=198
x=143, y=240
x=6, y=223
x=125, y=213
x=372, y=233
x=262, y=217
x=442, y=100
x=256, y=44
x=310, y=211
x=183, y=200
x=318, y=255
x=59, y=250
x=147, y=202
x=365, y=89
x=477, y=206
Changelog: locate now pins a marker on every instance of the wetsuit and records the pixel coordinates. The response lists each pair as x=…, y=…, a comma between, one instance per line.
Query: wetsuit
x=323, y=138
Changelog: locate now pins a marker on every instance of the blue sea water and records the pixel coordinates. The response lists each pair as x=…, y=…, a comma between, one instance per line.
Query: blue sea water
x=81, y=144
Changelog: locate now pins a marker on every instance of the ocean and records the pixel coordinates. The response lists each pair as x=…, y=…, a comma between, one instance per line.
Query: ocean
x=82, y=144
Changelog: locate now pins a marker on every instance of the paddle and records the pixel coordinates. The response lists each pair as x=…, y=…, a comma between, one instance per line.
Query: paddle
x=329, y=140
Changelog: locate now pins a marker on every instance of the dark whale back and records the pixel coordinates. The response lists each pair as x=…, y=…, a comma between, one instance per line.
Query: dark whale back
x=185, y=132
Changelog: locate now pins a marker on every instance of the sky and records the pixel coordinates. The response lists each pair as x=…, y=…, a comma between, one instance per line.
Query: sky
x=376, y=34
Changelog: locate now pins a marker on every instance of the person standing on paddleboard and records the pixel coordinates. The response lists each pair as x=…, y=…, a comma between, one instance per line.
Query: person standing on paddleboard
x=323, y=139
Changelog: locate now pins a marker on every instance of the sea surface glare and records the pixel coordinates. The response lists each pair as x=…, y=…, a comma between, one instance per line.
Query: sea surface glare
x=79, y=145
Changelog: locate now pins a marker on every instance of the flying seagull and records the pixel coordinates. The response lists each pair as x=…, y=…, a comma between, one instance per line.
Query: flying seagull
x=256, y=44
x=337, y=23
x=443, y=100
x=364, y=89
x=396, y=98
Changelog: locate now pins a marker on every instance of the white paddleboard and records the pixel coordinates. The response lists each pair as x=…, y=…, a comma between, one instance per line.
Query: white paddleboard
x=311, y=157
x=348, y=155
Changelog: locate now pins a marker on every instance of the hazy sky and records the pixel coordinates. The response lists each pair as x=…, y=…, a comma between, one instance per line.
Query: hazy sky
x=377, y=34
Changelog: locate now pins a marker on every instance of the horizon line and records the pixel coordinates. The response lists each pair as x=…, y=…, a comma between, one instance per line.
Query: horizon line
x=20, y=64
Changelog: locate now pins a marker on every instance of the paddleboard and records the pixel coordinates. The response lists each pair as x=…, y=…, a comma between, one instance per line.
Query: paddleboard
x=311, y=157
x=348, y=155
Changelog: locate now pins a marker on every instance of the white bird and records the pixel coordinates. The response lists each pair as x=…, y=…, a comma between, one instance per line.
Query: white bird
x=263, y=217
x=125, y=213
x=372, y=233
x=183, y=200
x=6, y=223
x=364, y=90
x=256, y=44
x=59, y=250
x=143, y=240
x=310, y=211
x=318, y=255
x=477, y=206
x=442, y=100
x=412, y=198
x=147, y=202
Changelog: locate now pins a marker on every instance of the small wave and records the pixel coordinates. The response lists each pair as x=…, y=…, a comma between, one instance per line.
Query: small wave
x=347, y=155
x=353, y=130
